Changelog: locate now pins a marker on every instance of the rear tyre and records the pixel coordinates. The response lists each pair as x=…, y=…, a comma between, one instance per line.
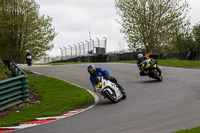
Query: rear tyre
x=112, y=97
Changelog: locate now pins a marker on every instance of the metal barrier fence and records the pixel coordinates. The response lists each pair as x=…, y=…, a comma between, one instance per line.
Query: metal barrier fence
x=84, y=48
x=14, y=90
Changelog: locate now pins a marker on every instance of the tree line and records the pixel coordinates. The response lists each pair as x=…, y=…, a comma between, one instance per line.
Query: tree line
x=157, y=26
x=22, y=28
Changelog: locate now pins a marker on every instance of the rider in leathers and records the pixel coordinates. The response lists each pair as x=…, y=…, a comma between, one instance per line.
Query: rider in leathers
x=145, y=64
x=96, y=73
x=27, y=55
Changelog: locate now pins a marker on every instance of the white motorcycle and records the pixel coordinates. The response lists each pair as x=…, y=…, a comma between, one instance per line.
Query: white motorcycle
x=109, y=90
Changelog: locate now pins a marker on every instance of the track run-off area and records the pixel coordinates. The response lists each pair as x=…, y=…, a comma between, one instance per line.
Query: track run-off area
x=150, y=107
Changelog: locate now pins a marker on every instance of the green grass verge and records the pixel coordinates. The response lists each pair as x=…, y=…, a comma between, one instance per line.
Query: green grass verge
x=128, y=61
x=64, y=63
x=172, y=63
x=193, y=130
x=70, y=63
x=27, y=71
x=180, y=63
x=57, y=97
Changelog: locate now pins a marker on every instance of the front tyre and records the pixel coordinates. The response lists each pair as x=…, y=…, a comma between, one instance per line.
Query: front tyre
x=157, y=75
x=112, y=97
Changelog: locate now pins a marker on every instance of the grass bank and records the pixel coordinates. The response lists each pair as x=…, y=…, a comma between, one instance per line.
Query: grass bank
x=57, y=97
x=172, y=63
x=27, y=71
x=65, y=63
x=193, y=130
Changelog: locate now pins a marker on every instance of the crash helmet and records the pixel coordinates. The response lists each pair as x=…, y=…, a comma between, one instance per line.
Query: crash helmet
x=91, y=69
x=140, y=57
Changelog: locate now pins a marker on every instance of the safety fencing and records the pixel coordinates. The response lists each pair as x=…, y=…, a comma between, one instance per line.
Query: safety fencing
x=87, y=47
x=14, y=91
x=190, y=55
x=111, y=57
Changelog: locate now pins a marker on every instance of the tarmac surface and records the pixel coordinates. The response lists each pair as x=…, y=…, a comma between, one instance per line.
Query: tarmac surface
x=150, y=107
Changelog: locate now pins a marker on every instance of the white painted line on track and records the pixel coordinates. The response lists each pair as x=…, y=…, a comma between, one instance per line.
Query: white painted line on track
x=53, y=117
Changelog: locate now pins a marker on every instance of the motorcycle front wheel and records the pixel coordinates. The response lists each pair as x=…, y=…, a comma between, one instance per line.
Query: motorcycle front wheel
x=112, y=97
x=158, y=77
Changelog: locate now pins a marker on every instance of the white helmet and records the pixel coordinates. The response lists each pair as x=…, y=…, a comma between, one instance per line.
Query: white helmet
x=140, y=56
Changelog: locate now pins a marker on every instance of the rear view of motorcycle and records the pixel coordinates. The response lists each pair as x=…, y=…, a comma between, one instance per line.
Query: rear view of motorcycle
x=109, y=90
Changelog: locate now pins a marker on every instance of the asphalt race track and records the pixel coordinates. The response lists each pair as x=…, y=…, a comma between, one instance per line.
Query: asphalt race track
x=150, y=107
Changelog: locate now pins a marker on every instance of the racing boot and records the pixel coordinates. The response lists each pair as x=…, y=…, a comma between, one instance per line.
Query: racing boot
x=122, y=90
x=143, y=74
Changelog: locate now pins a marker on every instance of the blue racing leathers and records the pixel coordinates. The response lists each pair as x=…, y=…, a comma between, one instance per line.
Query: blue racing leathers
x=95, y=79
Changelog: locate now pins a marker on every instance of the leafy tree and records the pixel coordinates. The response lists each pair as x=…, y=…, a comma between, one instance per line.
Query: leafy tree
x=183, y=42
x=151, y=25
x=22, y=28
x=196, y=34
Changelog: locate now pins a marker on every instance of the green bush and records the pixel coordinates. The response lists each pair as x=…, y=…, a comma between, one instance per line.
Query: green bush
x=4, y=72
